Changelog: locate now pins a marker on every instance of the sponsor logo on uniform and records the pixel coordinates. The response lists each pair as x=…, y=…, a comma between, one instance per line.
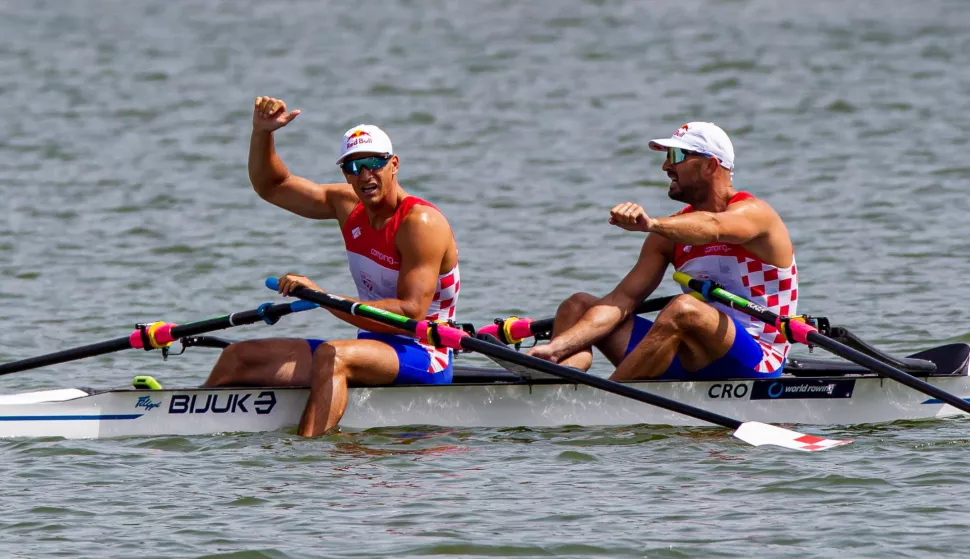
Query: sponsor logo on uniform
x=716, y=248
x=355, y=232
x=382, y=257
x=800, y=389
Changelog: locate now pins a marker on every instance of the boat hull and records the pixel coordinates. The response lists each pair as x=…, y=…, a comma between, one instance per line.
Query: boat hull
x=814, y=392
x=193, y=411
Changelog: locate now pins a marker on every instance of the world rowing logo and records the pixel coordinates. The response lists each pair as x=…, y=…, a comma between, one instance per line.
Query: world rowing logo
x=146, y=402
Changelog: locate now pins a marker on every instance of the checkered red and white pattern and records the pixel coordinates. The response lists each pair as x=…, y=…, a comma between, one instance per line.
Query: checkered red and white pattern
x=375, y=265
x=744, y=274
x=444, y=306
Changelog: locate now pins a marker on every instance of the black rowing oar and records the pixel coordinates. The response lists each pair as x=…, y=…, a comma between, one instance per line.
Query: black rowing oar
x=799, y=331
x=159, y=335
x=514, y=330
x=442, y=335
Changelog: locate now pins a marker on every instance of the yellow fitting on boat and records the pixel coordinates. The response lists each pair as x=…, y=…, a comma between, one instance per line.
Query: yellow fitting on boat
x=146, y=382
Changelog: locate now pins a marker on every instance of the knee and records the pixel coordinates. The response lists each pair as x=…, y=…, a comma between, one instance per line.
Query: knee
x=326, y=361
x=230, y=362
x=682, y=311
x=240, y=355
x=576, y=305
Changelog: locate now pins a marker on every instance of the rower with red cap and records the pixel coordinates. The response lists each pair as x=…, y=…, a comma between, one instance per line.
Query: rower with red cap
x=722, y=234
x=403, y=258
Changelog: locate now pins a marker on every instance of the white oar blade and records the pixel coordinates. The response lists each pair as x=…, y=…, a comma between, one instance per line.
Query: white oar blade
x=757, y=434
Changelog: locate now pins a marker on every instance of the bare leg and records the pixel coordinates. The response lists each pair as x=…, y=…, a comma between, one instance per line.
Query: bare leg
x=613, y=346
x=693, y=330
x=268, y=362
x=334, y=364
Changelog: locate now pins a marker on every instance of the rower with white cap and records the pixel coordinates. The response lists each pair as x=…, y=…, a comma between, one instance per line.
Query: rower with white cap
x=722, y=234
x=403, y=258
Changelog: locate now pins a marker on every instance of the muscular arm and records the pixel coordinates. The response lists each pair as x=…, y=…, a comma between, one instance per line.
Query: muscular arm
x=739, y=224
x=615, y=307
x=750, y=223
x=423, y=240
x=274, y=183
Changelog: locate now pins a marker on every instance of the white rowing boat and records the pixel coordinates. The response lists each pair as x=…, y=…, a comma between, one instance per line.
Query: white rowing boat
x=814, y=392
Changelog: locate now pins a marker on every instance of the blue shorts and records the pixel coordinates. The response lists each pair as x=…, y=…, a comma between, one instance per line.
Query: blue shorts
x=741, y=361
x=413, y=359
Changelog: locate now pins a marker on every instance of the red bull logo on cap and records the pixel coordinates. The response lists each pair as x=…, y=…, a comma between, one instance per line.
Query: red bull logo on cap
x=358, y=137
x=681, y=131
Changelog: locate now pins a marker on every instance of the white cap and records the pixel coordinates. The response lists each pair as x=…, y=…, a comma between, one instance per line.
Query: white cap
x=364, y=138
x=705, y=137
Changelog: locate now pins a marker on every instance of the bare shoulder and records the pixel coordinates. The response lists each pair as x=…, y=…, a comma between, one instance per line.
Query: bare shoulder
x=342, y=193
x=755, y=208
x=427, y=218
x=752, y=204
x=342, y=199
x=426, y=235
x=774, y=244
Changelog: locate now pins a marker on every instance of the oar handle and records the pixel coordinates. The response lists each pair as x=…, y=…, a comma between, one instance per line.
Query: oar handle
x=513, y=330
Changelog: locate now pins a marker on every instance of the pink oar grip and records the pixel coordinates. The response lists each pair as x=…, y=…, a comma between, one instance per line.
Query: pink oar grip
x=135, y=340
x=491, y=329
x=163, y=335
x=450, y=337
x=799, y=330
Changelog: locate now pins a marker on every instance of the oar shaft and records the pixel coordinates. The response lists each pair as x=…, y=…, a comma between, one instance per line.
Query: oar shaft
x=167, y=333
x=807, y=334
x=458, y=339
x=885, y=370
x=512, y=356
x=92, y=350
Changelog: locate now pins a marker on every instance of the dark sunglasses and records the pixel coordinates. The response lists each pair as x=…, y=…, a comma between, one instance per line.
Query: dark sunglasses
x=676, y=155
x=372, y=163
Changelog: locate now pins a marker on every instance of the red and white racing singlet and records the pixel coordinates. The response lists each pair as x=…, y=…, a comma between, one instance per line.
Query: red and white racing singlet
x=375, y=265
x=743, y=273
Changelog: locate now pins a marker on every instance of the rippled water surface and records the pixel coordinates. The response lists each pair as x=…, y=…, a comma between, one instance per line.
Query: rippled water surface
x=125, y=193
